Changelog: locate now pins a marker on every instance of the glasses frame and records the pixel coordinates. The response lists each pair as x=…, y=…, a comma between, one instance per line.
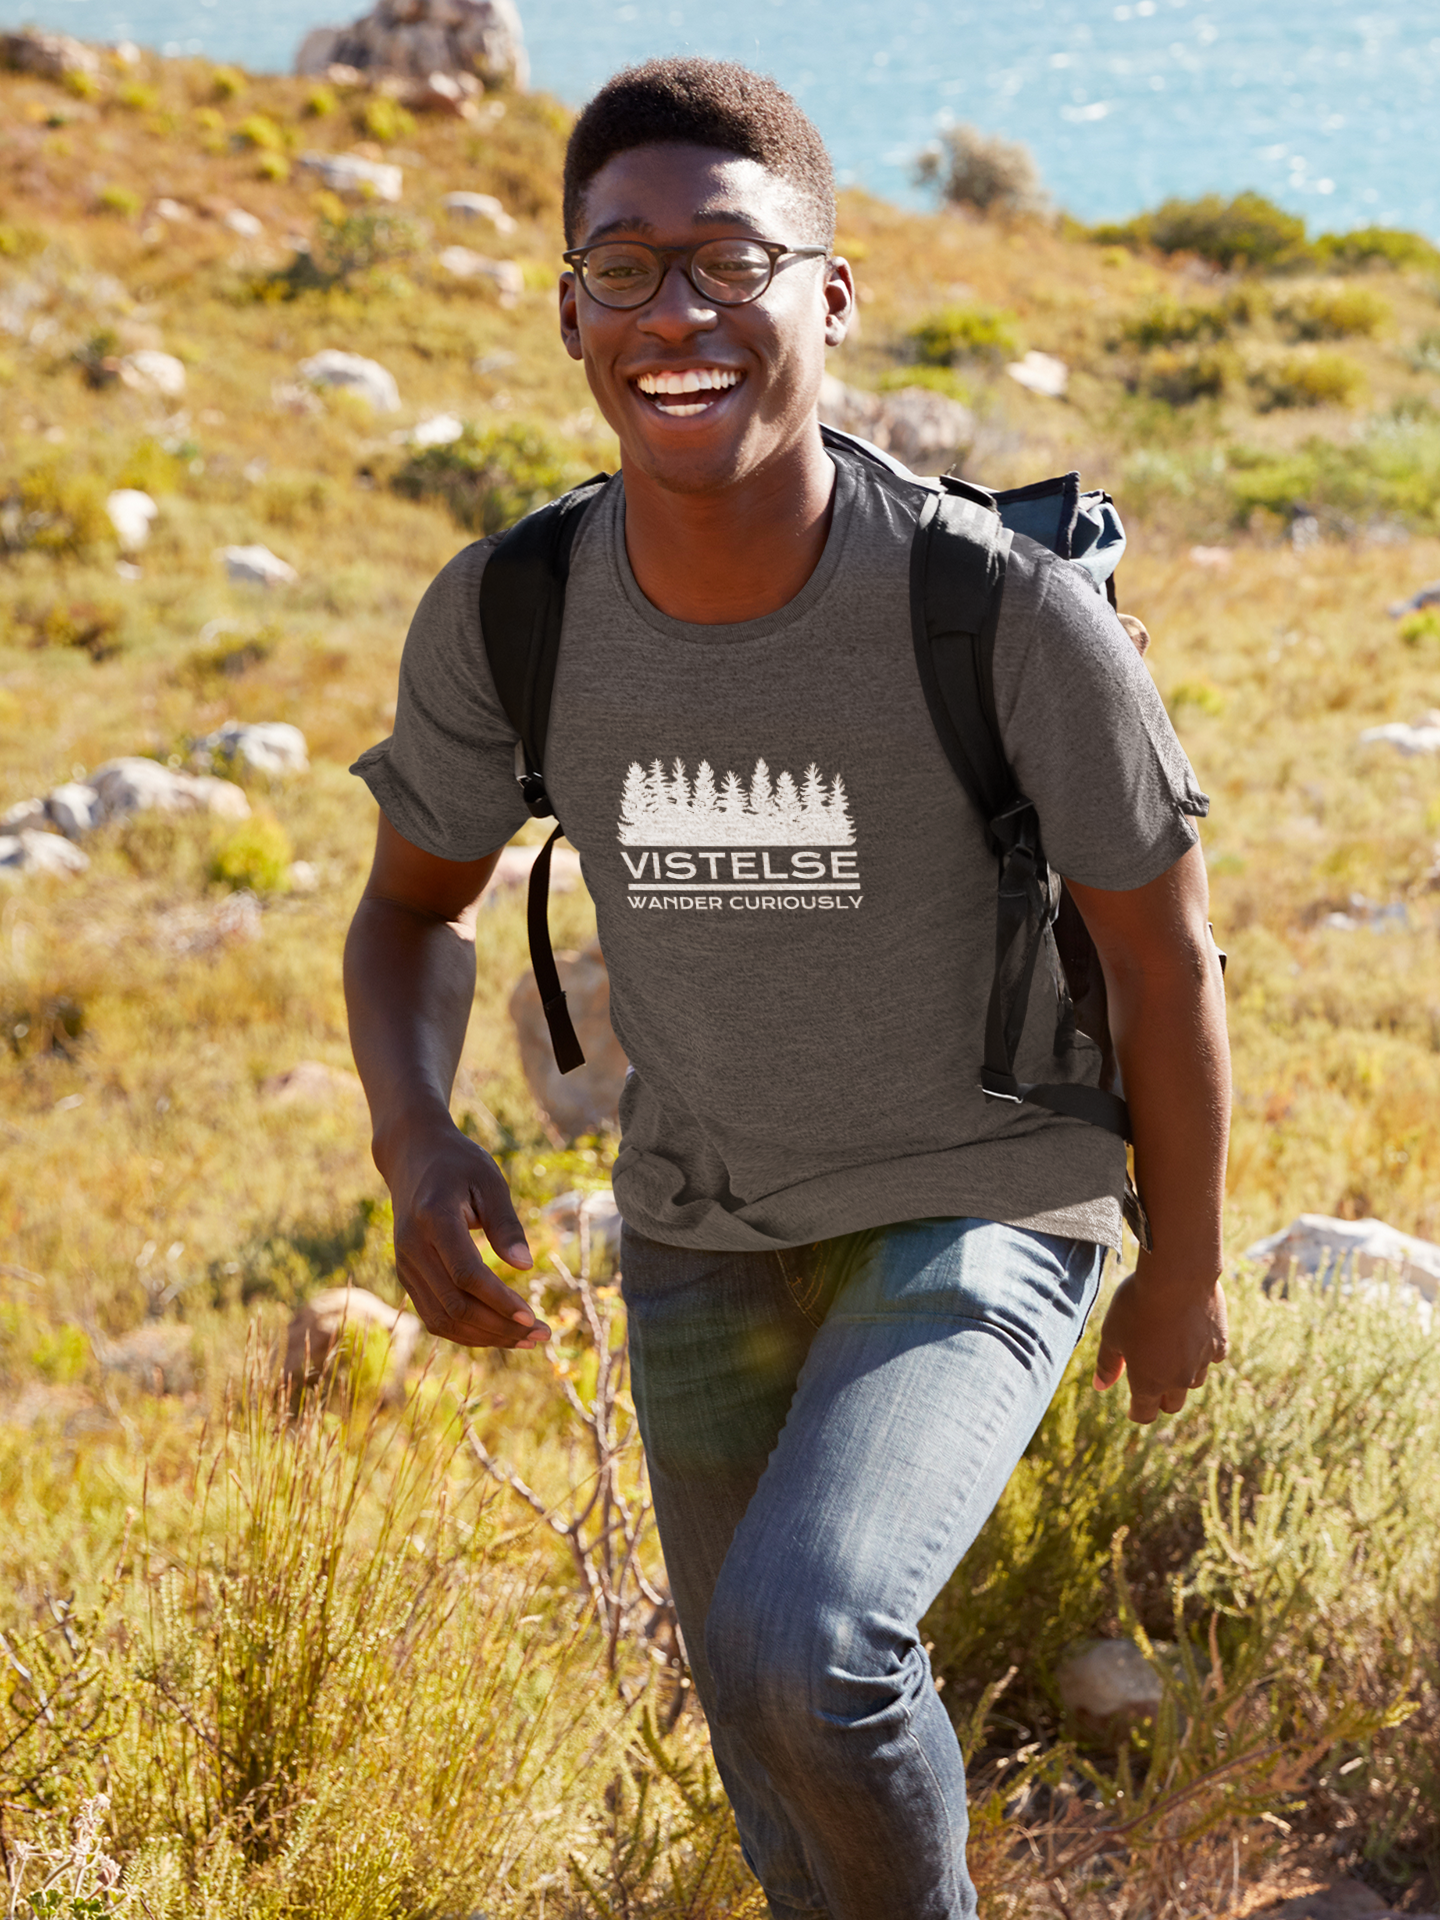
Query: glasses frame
x=774, y=250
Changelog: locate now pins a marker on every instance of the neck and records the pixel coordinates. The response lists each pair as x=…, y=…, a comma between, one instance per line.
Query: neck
x=733, y=553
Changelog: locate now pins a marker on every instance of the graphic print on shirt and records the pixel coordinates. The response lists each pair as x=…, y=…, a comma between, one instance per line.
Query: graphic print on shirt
x=711, y=845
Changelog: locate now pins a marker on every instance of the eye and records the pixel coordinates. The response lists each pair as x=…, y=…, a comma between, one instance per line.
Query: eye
x=619, y=268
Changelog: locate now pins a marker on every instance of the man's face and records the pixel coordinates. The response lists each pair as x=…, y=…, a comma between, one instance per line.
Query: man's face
x=766, y=358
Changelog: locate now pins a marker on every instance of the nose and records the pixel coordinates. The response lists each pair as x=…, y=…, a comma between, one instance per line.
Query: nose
x=676, y=311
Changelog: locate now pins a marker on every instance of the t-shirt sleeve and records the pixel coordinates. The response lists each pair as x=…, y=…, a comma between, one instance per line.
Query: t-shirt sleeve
x=1086, y=731
x=445, y=779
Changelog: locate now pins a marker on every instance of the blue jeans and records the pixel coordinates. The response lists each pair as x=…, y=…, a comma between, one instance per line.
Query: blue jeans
x=827, y=1430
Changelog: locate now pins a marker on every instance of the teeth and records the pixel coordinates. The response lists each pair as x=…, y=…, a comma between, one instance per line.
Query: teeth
x=693, y=380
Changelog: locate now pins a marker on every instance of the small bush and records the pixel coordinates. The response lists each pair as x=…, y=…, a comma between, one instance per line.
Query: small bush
x=319, y=102
x=982, y=171
x=44, y=1023
x=20, y=243
x=956, y=333
x=1333, y=313
x=1307, y=379
x=272, y=166
x=489, y=478
x=255, y=855
x=1170, y=323
x=1426, y=356
x=47, y=511
x=82, y=624
x=385, y=120
x=122, y=200
x=1377, y=247
x=1417, y=628
x=937, y=379
x=84, y=86
x=259, y=130
x=138, y=97
x=61, y=1355
x=1179, y=379
x=227, y=83
x=1202, y=695
x=1248, y=231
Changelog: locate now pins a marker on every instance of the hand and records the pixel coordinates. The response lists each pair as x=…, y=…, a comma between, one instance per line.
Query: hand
x=443, y=1186
x=1167, y=1334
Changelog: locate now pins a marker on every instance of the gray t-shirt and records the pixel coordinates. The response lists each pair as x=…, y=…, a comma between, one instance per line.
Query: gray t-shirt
x=794, y=897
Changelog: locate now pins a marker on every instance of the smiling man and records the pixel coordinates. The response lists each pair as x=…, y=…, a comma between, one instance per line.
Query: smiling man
x=853, y=1281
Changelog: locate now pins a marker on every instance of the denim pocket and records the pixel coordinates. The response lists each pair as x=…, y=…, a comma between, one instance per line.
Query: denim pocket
x=816, y=1274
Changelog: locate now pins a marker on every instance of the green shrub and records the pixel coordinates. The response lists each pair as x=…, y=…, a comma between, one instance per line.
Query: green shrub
x=259, y=130
x=1392, y=469
x=1248, y=231
x=1307, y=378
x=61, y=1355
x=386, y=120
x=1333, y=313
x=254, y=854
x=1416, y=628
x=1181, y=378
x=1426, y=356
x=955, y=333
x=1375, y=246
x=981, y=170
x=227, y=83
x=319, y=102
x=49, y=511
x=272, y=166
x=937, y=379
x=1170, y=323
x=122, y=200
x=92, y=628
x=19, y=243
x=346, y=247
x=137, y=96
x=489, y=478
x=1203, y=695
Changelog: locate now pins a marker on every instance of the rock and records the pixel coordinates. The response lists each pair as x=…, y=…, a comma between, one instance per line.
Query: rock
x=435, y=430
x=26, y=816
x=512, y=871
x=73, y=809
x=257, y=566
x=1350, y=1250
x=924, y=430
x=314, y=1337
x=199, y=930
x=1217, y=557
x=266, y=746
x=1422, y=737
x=313, y=1083
x=353, y=174
x=601, y=1215
x=1426, y=597
x=32, y=852
x=158, y=1357
x=334, y=368
x=136, y=785
x=243, y=223
x=1369, y=914
x=1343, y=1899
x=171, y=211
x=587, y=1100
x=1109, y=1686
x=480, y=206
x=508, y=275
x=443, y=93
x=420, y=38
x=131, y=512
x=1041, y=373
x=150, y=371
x=53, y=56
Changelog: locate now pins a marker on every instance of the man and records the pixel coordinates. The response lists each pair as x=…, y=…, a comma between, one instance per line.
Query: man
x=853, y=1282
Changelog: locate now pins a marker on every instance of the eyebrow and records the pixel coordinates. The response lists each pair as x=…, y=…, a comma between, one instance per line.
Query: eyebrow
x=718, y=217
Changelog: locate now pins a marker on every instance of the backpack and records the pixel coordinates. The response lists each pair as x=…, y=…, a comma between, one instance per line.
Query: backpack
x=957, y=574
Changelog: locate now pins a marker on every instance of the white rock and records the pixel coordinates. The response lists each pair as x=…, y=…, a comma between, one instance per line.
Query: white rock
x=31, y=852
x=480, y=206
x=136, y=785
x=1217, y=557
x=352, y=173
x=170, y=210
x=435, y=430
x=1422, y=737
x=243, y=223
x=600, y=1213
x=311, y=1082
x=335, y=368
x=131, y=512
x=54, y=56
x=257, y=565
x=74, y=808
x=465, y=264
x=1348, y=1250
x=315, y=1334
x=265, y=746
x=1109, y=1685
x=150, y=371
x=1425, y=597
x=1041, y=373
x=26, y=816
x=922, y=429
x=587, y=1099
x=512, y=871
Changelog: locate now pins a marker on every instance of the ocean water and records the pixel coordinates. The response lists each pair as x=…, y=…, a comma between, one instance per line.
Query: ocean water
x=1329, y=107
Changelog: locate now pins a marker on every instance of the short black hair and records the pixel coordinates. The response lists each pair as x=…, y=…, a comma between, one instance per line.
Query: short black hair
x=702, y=103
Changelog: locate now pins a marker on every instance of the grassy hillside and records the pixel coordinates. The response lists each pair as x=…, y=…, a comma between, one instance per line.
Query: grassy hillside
x=1285, y=424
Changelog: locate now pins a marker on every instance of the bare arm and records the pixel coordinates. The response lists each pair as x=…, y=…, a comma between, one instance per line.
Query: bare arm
x=1166, y=1323
x=409, y=983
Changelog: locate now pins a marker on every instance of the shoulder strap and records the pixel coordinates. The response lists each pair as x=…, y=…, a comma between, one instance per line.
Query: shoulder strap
x=522, y=613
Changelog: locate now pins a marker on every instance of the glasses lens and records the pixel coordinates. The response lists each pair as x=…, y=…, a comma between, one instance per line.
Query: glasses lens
x=621, y=275
x=732, y=271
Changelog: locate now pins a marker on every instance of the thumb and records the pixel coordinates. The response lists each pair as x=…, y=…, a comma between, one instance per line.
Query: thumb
x=1109, y=1365
x=494, y=1214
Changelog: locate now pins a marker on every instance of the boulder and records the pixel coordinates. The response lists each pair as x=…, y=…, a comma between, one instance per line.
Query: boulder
x=1349, y=1250
x=419, y=38
x=158, y=1357
x=243, y=223
x=1421, y=737
x=507, y=275
x=313, y=1340
x=312, y=1083
x=512, y=871
x=150, y=371
x=353, y=174
x=32, y=852
x=443, y=93
x=924, y=430
x=257, y=566
x=26, y=816
x=131, y=512
x=1342, y=1899
x=587, y=1100
x=480, y=206
x=1426, y=597
x=264, y=746
x=1041, y=373
x=601, y=1215
x=1217, y=558
x=335, y=368
x=1108, y=1686
x=136, y=785
x=53, y=56
x=435, y=430
x=73, y=809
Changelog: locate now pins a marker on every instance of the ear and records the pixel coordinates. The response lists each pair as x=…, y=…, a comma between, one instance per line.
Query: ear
x=840, y=300
x=570, y=317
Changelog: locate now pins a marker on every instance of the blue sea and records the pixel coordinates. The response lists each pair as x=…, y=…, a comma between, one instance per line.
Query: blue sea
x=1329, y=107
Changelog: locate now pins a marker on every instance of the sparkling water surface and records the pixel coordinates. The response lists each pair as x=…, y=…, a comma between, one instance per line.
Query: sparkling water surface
x=1330, y=108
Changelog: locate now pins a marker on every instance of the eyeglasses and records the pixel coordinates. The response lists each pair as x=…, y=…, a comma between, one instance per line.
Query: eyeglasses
x=627, y=273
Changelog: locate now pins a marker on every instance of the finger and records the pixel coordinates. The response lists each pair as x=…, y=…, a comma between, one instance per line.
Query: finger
x=490, y=1208
x=1200, y=1376
x=464, y=1268
x=450, y=1316
x=1109, y=1365
x=1174, y=1401
x=1144, y=1408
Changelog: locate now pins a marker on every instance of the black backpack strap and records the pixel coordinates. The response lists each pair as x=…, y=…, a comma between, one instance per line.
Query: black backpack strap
x=522, y=613
x=957, y=575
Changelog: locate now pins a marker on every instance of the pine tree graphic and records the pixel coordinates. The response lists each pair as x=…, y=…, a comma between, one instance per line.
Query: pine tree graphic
x=664, y=810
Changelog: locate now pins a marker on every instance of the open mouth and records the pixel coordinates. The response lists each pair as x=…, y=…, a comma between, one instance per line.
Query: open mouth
x=696, y=390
